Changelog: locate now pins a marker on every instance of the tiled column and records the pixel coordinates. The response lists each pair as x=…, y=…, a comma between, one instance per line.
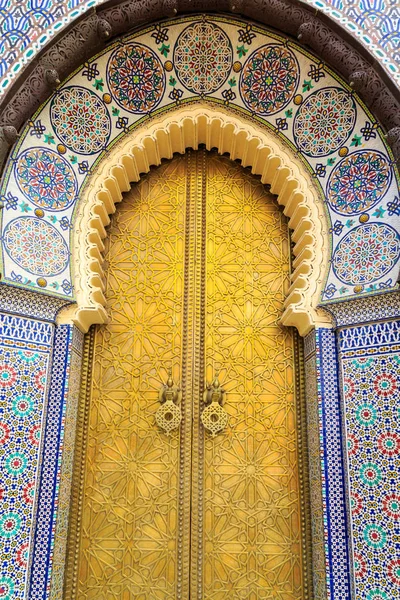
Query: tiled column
x=331, y=567
x=54, y=487
x=39, y=382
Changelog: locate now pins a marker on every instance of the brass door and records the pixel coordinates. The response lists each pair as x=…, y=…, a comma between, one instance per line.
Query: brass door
x=197, y=273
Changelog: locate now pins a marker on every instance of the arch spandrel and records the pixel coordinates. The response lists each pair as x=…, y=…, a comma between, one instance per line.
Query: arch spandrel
x=299, y=105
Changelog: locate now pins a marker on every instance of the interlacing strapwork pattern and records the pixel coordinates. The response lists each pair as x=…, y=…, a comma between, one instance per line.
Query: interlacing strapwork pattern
x=129, y=524
x=251, y=505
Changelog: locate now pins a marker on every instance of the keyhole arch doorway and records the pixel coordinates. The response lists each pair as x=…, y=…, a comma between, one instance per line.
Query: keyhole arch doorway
x=197, y=273
x=243, y=140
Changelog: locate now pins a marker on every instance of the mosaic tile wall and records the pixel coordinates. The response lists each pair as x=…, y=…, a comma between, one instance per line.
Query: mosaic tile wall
x=25, y=351
x=26, y=27
x=277, y=83
x=67, y=447
x=54, y=487
x=375, y=23
x=370, y=365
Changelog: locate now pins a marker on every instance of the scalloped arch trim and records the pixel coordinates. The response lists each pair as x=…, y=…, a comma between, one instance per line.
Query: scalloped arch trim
x=255, y=147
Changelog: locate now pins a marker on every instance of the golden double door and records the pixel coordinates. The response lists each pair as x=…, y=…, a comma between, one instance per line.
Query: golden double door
x=197, y=273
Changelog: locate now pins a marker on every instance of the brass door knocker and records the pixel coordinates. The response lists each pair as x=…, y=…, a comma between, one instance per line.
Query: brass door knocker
x=169, y=415
x=214, y=416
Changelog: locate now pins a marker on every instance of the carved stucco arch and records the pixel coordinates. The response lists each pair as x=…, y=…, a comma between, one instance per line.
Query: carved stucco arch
x=255, y=147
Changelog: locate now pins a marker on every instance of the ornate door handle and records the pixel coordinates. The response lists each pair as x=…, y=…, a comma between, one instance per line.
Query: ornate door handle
x=214, y=416
x=168, y=415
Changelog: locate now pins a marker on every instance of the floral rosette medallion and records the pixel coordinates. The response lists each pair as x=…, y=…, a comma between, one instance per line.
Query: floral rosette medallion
x=324, y=121
x=36, y=246
x=136, y=78
x=46, y=179
x=81, y=120
x=203, y=58
x=359, y=182
x=269, y=79
x=366, y=254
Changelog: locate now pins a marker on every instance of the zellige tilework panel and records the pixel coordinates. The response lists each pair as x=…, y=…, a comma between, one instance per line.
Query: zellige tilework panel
x=370, y=363
x=25, y=347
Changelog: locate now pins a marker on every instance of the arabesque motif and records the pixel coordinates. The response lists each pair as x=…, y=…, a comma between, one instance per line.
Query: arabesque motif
x=366, y=253
x=225, y=509
x=324, y=121
x=269, y=79
x=80, y=120
x=203, y=57
x=136, y=78
x=359, y=182
x=46, y=179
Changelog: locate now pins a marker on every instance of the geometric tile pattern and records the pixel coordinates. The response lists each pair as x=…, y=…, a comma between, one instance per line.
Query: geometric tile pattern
x=25, y=30
x=67, y=448
x=365, y=309
x=336, y=526
x=30, y=304
x=374, y=22
x=25, y=347
x=370, y=364
x=255, y=71
x=48, y=484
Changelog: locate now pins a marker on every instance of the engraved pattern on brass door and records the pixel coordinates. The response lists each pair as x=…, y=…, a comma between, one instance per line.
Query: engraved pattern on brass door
x=251, y=510
x=198, y=261
x=130, y=503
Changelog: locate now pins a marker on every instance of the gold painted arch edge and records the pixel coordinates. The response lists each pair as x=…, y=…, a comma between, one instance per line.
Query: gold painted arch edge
x=250, y=143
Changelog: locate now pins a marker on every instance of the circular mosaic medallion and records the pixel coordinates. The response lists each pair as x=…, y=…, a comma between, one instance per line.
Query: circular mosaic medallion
x=136, y=78
x=36, y=246
x=366, y=253
x=10, y=524
x=7, y=588
x=46, y=179
x=22, y=406
x=370, y=474
x=324, y=121
x=391, y=506
x=80, y=120
x=203, y=57
x=16, y=463
x=374, y=536
x=358, y=182
x=269, y=79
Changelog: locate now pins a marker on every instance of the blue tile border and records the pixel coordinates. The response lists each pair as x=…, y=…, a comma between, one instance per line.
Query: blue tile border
x=336, y=522
x=43, y=539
